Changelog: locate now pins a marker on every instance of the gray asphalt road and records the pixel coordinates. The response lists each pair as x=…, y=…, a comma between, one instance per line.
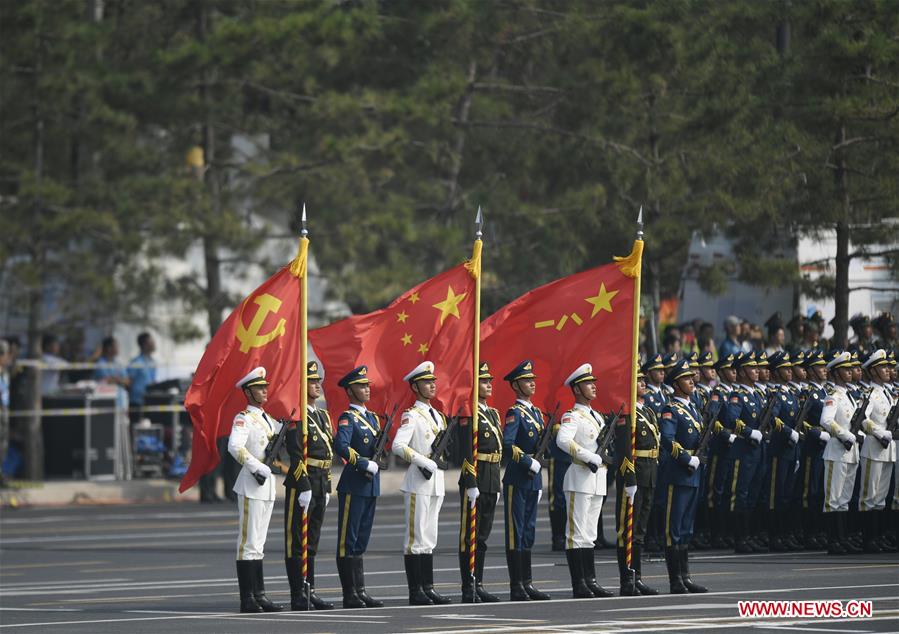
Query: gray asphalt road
x=170, y=568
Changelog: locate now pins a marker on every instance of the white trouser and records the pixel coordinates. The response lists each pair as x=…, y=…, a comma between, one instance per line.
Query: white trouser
x=875, y=484
x=839, y=480
x=583, y=517
x=254, y=518
x=422, y=513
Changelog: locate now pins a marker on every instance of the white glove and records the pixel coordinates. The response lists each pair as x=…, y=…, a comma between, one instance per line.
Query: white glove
x=534, y=467
x=327, y=499
x=264, y=471
x=731, y=438
x=631, y=491
x=846, y=436
x=595, y=459
x=472, y=494
x=372, y=467
x=794, y=436
x=539, y=495
x=756, y=435
x=883, y=434
x=305, y=498
x=424, y=462
x=824, y=436
x=694, y=462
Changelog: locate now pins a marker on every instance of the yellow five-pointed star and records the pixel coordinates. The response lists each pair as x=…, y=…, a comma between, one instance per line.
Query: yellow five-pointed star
x=402, y=316
x=602, y=301
x=450, y=306
x=406, y=339
x=414, y=297
x=423, y=348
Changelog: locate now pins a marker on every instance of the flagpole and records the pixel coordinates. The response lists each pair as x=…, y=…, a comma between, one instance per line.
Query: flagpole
x=476, y=262
x=304, y=399
x=638, y=248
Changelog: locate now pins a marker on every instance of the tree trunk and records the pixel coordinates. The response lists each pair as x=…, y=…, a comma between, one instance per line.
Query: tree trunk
x=459, y=146
x=841, y=290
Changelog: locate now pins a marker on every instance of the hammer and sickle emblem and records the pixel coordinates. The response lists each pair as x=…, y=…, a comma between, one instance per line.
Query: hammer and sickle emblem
x=250, y=337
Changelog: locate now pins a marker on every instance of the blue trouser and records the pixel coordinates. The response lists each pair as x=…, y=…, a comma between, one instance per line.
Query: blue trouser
x=680, y=504
x=781, y=480
x=355, y=515
x=746, y=472
x=716, y=480
x=810, y=488
x=521, y=517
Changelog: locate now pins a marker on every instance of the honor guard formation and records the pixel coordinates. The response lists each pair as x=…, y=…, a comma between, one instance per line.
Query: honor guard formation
x=738, y=449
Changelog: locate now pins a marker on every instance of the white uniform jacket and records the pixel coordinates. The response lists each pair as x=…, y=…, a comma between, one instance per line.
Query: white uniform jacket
x=878, y=411
x=836, y=417
x=250, y=434
x=578, y=436
x=418, y=428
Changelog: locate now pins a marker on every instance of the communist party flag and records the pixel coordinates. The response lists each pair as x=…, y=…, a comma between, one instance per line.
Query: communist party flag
x=264, y=330
x=587, y=317
x=432, y=322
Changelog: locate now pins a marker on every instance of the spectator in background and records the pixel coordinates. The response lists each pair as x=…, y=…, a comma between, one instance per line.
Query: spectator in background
x=746, y=336
x=109, y=370
x=4, y=405
x=731, y=343
x=688, y=338
x=142, y=369
x=706, y=338
x=811, y=336
x=671, y=342
x=50, y=373
x=756, y=338
x=776, y=334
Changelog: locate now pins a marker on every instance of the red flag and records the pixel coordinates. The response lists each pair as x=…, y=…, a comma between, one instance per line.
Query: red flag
x=264, y=330
x=583, y=318
x=432, y=322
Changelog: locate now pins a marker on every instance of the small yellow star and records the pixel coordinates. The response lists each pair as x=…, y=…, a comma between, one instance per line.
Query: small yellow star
x=423, y=348
x=406, y=339
x=414, y=297
x=602, y=301
x=402, y=316
x=449, y=306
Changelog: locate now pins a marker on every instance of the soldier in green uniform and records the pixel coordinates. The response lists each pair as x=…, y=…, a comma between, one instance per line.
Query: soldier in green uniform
x=307, y=489
x=481, y=492
x=635, y=481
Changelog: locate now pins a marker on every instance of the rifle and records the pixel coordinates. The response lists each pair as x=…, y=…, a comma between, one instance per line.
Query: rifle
x=545, y=437
x=803, y=414
x=892, y=420
x=709, y=418
x=605, y=441
x=439, y=444
x=855, y=423
x=380, y=453
x=274, y=447
x=767, y=415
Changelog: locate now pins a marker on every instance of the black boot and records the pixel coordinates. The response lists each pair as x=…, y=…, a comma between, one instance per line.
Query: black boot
x=869, y=529
x=627, y=577
x=557, y=528
x=526, y=578
x=483, y=595
x=294, y=566
x=589, y=567
x=637, y=564
x=776, y=532
x=317, y=602
x=843, y=531
x=516, y=589
x=245, y=584
x=579, y=589
x=834, y=546
x=359, y=582
x=468, y=584
x=672, y=561
x=413, y=577
x=742, y=544
x=348, y=583
x=691, y=587
x=427, y=580
x=259, y=589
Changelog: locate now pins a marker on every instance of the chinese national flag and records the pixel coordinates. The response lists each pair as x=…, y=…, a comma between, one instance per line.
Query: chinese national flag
x=432, y=322
x=264, y=330
x=583, y=318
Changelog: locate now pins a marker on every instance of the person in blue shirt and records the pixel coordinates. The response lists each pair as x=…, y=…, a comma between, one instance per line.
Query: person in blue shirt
x=142, y=369
x=358, y=488
x=109, y=370
x=730, y=345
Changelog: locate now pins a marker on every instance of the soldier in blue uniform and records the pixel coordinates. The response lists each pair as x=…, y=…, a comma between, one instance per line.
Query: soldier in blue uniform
x=701, y=395
x=740, y=416
x=523, y=481
x=656, y=397
x=718, y=452
x=809, y=489
x=358, y=488
x=680, y=427
x=782, y=453
x=559, y=462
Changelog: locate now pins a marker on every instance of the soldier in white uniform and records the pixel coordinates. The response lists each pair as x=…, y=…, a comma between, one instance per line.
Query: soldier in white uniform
x=423, y=486
x=585, y=482
x=840, y=454
x=877, y=453
x=255, y=489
